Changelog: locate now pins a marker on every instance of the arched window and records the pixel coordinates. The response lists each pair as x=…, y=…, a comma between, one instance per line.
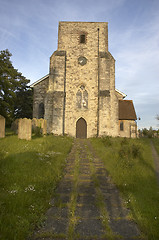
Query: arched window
x=78, y=99
x=41, y=111
x=121, y=126
x=82, y=98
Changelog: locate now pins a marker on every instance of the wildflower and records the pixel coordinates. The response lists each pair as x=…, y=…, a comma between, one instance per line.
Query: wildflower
x=13, y=191
x=29, y=188
x=32, y=207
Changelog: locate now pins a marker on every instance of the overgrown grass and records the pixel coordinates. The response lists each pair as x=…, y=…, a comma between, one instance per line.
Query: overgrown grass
x=29, y=172
x=130, y=164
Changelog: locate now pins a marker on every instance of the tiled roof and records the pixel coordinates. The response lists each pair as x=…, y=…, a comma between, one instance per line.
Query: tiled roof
x=126, y=110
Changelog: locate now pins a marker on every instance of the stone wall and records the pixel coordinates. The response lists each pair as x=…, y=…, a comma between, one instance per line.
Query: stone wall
x=2, y=127
x=129, y=129
x=40, y=90
x=108, y=122
x=87, y=75
x=57, y=80
x=75, y=90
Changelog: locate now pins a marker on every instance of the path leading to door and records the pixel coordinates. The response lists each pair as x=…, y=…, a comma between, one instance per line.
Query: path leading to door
x=87, y=204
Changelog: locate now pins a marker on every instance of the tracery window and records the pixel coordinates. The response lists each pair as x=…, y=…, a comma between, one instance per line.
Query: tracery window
x=82, y=98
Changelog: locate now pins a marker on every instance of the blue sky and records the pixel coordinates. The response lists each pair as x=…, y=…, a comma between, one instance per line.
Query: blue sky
x=29, y=29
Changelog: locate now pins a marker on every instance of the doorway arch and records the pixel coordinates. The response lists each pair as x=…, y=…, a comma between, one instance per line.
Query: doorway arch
x=81, y=128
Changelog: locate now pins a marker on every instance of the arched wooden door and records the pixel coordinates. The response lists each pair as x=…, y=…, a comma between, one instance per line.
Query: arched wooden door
x=81, y=128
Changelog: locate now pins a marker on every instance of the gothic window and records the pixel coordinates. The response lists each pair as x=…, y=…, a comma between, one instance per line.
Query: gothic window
x=121, y=126
x=41, y=111
x=82, y=98
x=85, y=99
x=79, y=99
x=82, y=38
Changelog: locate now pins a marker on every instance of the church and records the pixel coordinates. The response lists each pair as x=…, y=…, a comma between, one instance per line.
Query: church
x=78, y=97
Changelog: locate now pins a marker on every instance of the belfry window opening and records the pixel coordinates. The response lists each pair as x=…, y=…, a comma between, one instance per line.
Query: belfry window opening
x=82, y=38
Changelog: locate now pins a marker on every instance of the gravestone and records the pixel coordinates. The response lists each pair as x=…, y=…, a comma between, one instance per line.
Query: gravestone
x=2, y=127
x=34, y=123
x=41, y=123
x=44, y=127
x=14, y=126
x=24, y=129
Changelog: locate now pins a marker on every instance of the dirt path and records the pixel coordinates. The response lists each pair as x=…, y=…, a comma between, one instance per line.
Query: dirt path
x=87, y=204
x=156, y=160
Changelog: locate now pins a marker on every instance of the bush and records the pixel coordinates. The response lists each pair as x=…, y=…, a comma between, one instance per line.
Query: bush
x=135, y=151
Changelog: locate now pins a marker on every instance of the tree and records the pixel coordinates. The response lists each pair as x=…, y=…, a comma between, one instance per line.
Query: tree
x=23, y=103
x=12, y=87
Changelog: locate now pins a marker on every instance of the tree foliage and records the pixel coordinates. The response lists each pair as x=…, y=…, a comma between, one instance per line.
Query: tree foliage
x=150, y=133
x=15, y=95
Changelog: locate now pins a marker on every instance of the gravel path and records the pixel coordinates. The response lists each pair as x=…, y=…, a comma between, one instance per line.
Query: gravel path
x=87, y=204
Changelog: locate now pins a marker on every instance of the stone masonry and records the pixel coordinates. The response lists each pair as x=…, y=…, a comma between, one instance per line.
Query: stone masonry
x=79, y=92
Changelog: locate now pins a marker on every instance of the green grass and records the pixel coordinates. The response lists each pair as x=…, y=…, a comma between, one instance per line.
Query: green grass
x=156, y=143
x=130, y=164
x=29, y=172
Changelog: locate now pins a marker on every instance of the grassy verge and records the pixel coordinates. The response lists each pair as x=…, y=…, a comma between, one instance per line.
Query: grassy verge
x=130, y=164
x=156, y=143
x=29, y=172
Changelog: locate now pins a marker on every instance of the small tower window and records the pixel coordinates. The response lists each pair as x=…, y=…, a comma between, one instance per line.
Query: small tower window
x=121, y=126
x=82, y=38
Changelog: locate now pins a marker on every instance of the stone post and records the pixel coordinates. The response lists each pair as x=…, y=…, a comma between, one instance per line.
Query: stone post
x=2, y=127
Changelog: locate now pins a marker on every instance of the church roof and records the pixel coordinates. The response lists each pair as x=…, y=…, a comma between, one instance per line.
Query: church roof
x=121, y=93
x=38, y=81
x=126, y=110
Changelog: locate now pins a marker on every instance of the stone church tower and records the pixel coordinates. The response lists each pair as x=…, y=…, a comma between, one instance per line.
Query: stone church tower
x=78, y=96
